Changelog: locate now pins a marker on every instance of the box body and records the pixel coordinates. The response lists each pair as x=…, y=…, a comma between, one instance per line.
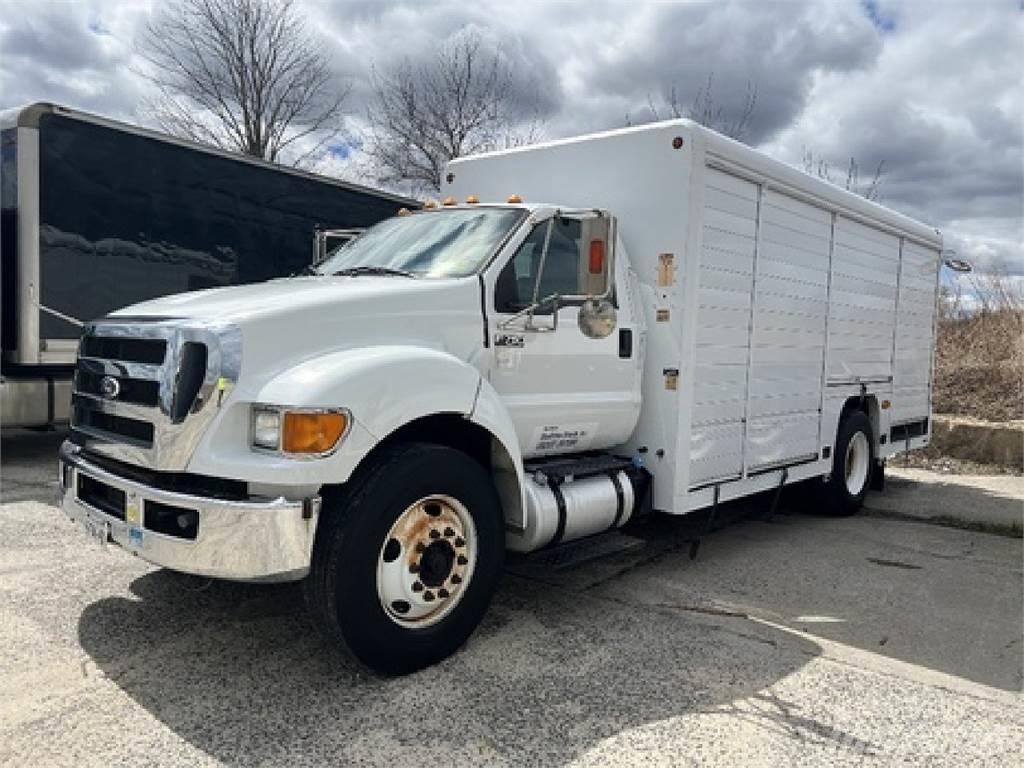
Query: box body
x=771, y=298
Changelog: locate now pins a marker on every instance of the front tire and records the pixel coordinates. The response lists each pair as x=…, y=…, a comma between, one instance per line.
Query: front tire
x=408, y=557
x=851, y=466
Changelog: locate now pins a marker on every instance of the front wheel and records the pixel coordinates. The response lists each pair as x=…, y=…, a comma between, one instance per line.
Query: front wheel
x=407, y=559
x=851, y=466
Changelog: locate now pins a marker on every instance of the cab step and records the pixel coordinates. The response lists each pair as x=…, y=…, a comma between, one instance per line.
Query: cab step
x=572, y=553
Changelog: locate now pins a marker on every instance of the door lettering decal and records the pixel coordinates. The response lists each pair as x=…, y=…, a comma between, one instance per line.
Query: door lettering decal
x=509, y=340
x=561, y=438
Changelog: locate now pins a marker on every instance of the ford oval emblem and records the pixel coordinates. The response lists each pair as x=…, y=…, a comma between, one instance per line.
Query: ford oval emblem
x=110, y=387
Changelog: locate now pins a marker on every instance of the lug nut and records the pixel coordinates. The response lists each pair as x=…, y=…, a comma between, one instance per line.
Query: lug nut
x=449, y=532
x=456, y=579
x=462, y=560
x=460, y=542
x=414, y=568
x=421, y=547
x=417, y=587
x=434, y=534
x=442, y=593
x=400, y=606
x=428, y=596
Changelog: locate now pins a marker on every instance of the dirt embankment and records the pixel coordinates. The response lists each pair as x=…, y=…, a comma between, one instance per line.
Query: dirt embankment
x=979, y=366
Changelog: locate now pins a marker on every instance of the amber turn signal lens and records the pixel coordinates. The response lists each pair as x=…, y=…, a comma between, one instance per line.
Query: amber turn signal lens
x=596, y=257
x=312, y=432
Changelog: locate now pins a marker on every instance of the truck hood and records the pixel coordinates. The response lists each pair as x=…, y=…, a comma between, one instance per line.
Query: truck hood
x=331, y=295
x=288, y=320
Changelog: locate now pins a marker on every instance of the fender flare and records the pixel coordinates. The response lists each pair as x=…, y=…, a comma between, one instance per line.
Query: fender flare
x=506, y=458
x=383, y=386
x=386, y=387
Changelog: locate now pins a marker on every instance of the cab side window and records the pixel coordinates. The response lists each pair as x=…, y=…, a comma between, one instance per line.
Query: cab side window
x=515, y=285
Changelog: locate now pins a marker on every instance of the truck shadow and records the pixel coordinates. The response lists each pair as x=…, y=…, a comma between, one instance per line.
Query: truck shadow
x=570, y=656
x=946, y=599
x=238, y=672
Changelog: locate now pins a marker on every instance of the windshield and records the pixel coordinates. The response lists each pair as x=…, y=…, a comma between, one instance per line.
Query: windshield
x=442, y=243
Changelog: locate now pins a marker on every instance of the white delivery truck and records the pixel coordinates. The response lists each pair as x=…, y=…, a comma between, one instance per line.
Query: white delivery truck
x=656, y=318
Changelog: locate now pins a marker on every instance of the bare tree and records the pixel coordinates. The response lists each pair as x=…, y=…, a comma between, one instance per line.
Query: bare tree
x=243, y=75
x=460, y=102
x=870, y=190
x=706, y=110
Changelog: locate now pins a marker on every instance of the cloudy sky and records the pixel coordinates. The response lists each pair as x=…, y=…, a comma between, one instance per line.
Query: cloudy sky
x=934, y=90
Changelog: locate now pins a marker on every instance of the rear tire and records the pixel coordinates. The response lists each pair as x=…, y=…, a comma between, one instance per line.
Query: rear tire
x=407, y=558
x=852, y=461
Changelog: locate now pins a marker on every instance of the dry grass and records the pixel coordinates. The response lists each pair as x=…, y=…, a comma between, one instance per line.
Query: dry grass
x=979, y=365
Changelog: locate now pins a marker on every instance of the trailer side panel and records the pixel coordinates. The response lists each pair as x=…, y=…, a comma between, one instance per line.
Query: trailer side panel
x=915, y=334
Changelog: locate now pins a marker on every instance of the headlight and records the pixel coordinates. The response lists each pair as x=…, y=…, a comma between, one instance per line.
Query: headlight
x=266, y=427
x=308, y=432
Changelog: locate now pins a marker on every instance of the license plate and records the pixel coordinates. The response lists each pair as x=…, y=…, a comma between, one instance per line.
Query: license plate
x=97, y=529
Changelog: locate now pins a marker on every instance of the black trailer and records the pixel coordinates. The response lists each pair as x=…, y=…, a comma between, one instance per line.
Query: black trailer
x=97, y=214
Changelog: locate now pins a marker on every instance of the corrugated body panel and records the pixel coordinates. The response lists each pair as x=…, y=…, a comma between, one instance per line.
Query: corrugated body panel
x=863, y=306
x=783, y=439
x=715, y=452
x=789, y=331
x=723, y=336
x=912, y=375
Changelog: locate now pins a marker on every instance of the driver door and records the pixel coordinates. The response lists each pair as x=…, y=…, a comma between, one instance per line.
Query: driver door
x=566, y=390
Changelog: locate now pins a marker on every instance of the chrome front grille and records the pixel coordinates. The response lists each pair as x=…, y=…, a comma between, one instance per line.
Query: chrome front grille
x=142, y=389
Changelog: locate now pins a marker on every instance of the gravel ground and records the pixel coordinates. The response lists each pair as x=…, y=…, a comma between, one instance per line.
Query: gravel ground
x=791, y=640
x=927, y=458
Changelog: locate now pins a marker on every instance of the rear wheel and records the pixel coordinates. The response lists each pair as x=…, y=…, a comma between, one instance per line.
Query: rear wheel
x=407, y=559
x=851, y=466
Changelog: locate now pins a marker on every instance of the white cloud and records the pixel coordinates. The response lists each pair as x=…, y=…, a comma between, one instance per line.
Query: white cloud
x=933, y=89
x=942, y=108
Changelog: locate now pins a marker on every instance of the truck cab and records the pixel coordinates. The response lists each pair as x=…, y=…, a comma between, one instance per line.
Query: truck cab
x=213, y=430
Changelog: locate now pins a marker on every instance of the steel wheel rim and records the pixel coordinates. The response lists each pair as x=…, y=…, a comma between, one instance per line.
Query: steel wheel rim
x=858, y=456
x=426, y=561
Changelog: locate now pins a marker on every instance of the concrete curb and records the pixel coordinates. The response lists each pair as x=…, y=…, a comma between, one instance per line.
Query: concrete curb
x=999, y=443
x=992, y=503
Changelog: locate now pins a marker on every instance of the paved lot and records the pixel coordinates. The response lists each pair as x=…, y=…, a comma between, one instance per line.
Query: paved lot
x=993, y=502
x=795, y=640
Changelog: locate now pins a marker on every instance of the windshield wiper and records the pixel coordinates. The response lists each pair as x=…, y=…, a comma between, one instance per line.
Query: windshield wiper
x=368, y=269
x=309, y=269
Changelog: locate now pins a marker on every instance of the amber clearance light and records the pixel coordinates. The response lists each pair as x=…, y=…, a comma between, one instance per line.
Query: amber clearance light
x=312, y=432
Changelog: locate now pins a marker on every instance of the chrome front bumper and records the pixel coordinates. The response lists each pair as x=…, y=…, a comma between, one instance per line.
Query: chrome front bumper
x=251, y=540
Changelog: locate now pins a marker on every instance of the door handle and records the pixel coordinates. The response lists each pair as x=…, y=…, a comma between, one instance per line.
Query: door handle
x=625, y=342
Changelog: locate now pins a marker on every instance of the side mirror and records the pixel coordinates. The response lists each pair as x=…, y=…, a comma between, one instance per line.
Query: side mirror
x=595, y=261
x=949, y=259
x=526, y=314
x=550, y=301
x=597, y=318
x=322, y=241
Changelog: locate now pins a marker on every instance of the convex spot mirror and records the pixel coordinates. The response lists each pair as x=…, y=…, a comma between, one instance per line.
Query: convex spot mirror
x=597, y=318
